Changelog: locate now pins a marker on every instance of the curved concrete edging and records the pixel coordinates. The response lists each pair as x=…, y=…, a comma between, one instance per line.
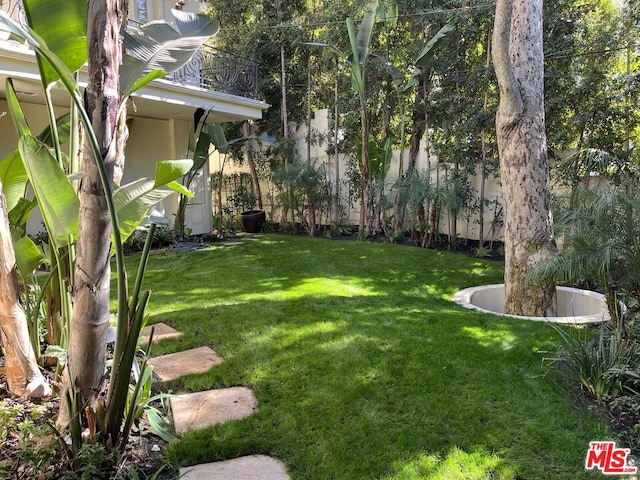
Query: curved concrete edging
x=575, y=306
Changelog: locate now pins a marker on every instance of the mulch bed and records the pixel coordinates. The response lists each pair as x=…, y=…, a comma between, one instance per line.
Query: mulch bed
x=32, y=449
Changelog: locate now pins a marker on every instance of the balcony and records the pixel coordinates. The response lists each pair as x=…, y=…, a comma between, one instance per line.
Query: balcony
x=15, y=10
x=214, y=69
x=209, y=68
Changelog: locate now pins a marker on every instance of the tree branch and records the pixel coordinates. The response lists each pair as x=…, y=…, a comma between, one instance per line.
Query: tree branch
x=511, y=104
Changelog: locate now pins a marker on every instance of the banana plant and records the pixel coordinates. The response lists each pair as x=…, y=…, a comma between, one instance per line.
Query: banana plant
x=356, y=59
x=63, y=26
x=57, y=198
x=144, y=62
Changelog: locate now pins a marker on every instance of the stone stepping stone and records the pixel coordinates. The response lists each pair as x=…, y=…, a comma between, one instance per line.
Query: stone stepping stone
x=198, y=410
x=231, y=244
x=160, y=332
x=175, y=365
x=252, y=467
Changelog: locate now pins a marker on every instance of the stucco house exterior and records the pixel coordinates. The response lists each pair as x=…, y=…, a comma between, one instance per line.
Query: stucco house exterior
x=161, y=114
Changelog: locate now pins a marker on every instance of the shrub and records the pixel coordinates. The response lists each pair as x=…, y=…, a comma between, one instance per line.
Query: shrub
x=605, y=364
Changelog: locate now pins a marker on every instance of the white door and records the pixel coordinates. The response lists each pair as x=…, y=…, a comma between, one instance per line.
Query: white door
x=198, y=216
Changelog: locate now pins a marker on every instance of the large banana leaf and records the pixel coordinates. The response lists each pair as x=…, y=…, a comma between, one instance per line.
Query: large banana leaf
x=19, y=120
x=132, y=201
x=28, y=256
x=14, y=178
x=56, y=196
x=201, y=153
x=219, y=140
x=360, y=43
x=12, y=172
x=365, y=32
x=432, y=46
x=39, y=45
x=63, y=26
x=387, y=13
x=170, y=170
x=157, y=48
x=354, y=57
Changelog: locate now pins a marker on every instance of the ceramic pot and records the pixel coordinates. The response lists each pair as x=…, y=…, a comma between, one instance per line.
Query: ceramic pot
x=253, y=220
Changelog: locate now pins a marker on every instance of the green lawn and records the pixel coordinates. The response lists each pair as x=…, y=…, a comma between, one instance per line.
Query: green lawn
x=363, y=367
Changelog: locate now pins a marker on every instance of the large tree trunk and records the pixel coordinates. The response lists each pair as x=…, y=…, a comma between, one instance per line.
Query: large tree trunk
x=90, y=321
x=24, y=378
x=522, y=146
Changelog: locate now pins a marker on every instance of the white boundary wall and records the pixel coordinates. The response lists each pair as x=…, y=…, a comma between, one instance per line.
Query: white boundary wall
x=467, y=227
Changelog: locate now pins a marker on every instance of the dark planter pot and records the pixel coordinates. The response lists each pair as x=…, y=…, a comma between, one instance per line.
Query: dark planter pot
x=253, y=220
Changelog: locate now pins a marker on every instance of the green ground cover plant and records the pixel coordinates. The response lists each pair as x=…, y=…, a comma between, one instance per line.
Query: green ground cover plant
x=362, y=365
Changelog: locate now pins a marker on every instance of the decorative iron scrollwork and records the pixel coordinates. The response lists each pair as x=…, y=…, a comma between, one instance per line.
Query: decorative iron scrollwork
x=15, y=10
x=214, y=69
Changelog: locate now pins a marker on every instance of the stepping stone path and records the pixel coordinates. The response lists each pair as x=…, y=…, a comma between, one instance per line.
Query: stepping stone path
x=175, y=365
x=201, y=409
x=252, y=467
x=160, y=332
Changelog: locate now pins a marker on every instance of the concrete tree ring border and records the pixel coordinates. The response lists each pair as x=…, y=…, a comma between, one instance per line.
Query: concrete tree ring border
x=575, y=306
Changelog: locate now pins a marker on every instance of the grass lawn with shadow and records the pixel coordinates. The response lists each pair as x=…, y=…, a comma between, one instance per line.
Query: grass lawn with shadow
x=363, y=366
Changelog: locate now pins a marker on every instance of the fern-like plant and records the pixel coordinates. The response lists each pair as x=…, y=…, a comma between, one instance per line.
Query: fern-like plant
x=600, y=239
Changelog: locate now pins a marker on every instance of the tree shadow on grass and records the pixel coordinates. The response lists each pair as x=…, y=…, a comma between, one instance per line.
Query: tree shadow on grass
x=364, y=368
x=359, y=397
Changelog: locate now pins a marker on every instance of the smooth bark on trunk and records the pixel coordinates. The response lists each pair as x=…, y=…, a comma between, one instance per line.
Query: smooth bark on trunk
x=24, y=378
x=522, y=145
x=90, y=321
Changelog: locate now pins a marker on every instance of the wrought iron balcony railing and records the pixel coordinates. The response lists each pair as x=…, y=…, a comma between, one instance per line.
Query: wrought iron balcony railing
x=209, y=68
x=214, y=69
x=15, y=10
